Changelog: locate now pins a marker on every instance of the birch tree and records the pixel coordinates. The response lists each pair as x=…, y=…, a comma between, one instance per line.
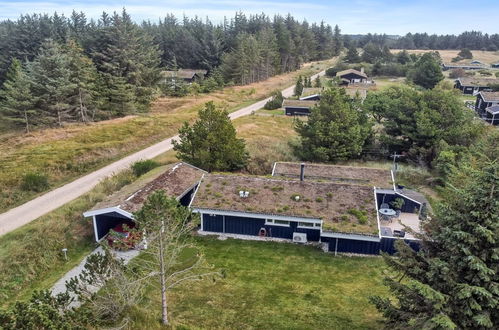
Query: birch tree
x=171, y=256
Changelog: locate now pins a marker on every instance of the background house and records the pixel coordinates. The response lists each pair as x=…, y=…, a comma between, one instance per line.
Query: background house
x=486, y=106
x=352, y=76
x=185, y=75
x=464, y=66
x=471, y=85
x=298, y=107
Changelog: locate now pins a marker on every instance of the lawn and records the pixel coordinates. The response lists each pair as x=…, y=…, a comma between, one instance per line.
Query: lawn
x=64, y=154
x=271, y=285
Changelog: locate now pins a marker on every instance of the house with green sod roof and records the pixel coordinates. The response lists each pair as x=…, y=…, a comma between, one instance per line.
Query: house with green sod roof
x=337, y=206
x=346, y=209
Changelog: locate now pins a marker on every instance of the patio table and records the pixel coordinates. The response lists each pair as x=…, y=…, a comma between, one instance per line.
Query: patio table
x=387, y=212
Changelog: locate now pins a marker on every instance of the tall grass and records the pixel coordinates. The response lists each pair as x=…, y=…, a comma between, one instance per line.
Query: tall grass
x=31, y=257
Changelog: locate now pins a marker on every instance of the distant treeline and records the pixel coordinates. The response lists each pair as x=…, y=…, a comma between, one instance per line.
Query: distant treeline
x=55, y=69
x=474, y=40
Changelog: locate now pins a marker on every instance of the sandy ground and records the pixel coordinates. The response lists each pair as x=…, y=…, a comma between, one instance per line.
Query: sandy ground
x=54, y=199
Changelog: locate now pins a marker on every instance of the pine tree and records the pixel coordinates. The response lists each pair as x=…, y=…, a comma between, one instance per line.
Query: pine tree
x=211, y=142
x=298, y=87
x=427, y=72
x=317, y=82
x=453, y=281
x=127, y=57
x=84, y=78
x=51, y=79
x=335, y=129
x=337, y=41
x=352, y=54
x=16, y=100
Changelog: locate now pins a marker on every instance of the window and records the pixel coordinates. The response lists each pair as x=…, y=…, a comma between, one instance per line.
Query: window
x=308, y=225
x=274, y=222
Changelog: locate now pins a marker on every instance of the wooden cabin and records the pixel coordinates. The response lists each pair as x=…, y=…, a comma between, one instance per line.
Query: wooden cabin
x=298, y=107
x=487, y=106
x=471, y=85
x=352, y=76
x=187, y=76
x=464, y=66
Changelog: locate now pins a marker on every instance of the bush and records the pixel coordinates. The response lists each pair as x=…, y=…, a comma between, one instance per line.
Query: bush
x=465, y=53
x=360, y=215
x=35, y=182
x=143, y=166
x=275, y=102
x=485, y=73
x=497, y=74
x=456, y=59
x=456, y=73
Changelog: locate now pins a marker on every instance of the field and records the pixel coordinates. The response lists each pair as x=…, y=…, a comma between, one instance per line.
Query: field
x=447, y=55
x=272, y=285
x=64, y=154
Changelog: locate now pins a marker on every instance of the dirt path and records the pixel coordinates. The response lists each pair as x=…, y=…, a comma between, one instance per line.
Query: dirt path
x=54, y=199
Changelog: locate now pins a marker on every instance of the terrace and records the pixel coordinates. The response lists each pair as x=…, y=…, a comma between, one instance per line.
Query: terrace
x=406, y=220
x=342, y=207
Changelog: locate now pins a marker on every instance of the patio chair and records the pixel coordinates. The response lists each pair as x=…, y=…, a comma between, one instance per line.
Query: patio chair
x=384, y=206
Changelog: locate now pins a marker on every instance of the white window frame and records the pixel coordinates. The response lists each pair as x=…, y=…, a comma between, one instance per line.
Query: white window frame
x=310, y=225
x=271, y=222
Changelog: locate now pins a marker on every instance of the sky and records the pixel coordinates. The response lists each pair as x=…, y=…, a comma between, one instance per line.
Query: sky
x=352, y=16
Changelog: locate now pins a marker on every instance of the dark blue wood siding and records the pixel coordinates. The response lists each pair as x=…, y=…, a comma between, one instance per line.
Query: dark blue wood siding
x=105, y=222
x=213, y=223
x=387, y=245
x=352, y=246
x=186, y=199
x=409, y=205
x=243, y=226
x=292, y=111
x=252, y=226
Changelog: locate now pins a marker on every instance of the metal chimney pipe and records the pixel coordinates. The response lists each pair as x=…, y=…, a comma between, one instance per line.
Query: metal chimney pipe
x=302, y=171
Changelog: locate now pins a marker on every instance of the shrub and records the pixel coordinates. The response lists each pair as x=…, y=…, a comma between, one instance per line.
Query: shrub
x=465, y=53
x=143, y=166
x=360, y=215
x=275, y=102
x=35, y=182
x=497, y=74
x=485, y=73
x=398, y=203
x=456, y=59
x=319, y=199
x=456, y=73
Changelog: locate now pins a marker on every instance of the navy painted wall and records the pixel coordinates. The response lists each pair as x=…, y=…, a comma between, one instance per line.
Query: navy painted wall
x=409, y=206
x=291, y=111
x=352, y=246
x=252, y=226
x=387, y=245
x=351, y=76
x=105, y=222
x=186, y=199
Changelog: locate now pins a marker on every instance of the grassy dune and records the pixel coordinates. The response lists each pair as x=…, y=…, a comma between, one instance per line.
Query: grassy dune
x=64, y=154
